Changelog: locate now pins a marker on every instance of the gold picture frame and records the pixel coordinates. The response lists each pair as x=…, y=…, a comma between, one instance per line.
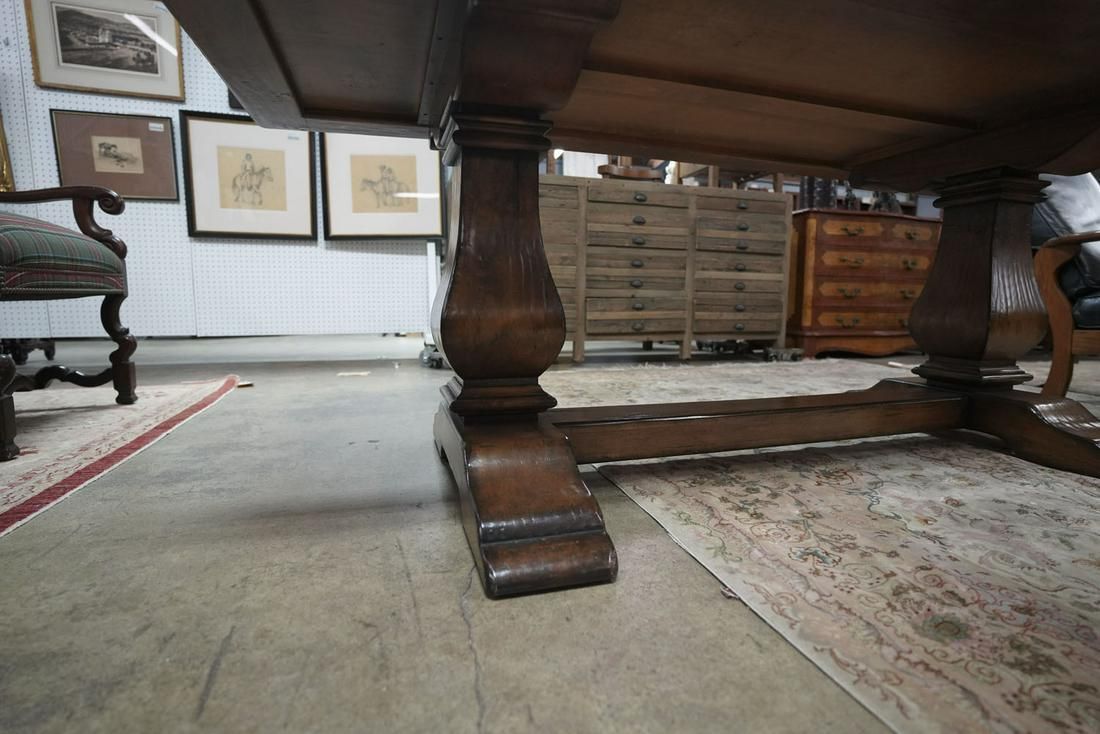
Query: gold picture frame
x=113, y=47
x=7, y=178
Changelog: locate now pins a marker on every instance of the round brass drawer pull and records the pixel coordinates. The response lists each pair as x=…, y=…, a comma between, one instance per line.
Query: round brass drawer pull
x=739, y=286
x=638, y=326
x=908, y=293
x=638, y=240
x=738, y=327
x=911, y=234
x=739, y=307
x=742, y=227
x=639, y=219
x=742, y=246
x=636, y=283
x=740, y=267
x=909, y=264
x=636, y=263
x=639, y=196
x=852, y=231
x=638, y=306
x=742, y=205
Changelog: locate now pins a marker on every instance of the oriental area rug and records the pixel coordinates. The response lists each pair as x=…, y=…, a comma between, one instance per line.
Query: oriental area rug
x=70, y=436
x=947, y=586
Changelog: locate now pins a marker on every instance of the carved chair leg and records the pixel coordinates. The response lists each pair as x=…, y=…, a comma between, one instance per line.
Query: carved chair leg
x=1061, y=365
x=123, y=374
x=8, y=449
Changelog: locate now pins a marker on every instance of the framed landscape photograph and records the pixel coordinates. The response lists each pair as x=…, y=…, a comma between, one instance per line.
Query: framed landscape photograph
x=131, y=154
x=243, y=180
x=381, y=187
x=128, y=47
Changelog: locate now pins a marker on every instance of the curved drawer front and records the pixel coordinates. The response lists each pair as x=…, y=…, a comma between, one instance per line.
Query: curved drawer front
x=863, y=320
x=851, y=293
x=917, y=233
x=861, y=261
x=853, y=228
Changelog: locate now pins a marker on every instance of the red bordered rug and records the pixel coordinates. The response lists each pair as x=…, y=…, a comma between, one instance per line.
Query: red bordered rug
x=71, y=436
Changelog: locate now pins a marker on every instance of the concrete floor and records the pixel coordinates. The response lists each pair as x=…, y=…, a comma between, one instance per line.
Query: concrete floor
x=292, y=560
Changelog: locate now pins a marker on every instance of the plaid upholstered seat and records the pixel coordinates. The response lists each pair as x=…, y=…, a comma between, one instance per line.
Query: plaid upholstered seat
x=39, y=260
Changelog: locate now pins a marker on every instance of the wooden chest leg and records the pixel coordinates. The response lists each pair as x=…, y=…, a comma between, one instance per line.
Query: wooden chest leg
x=531, y=522
x=981, y=311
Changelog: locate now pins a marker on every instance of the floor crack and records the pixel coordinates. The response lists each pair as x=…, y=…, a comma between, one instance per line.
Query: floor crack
x=478, y=693
x=212, y=673
x=412, y=591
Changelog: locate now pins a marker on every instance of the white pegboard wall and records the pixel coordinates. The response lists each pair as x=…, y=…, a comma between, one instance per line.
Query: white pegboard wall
x=198, y=286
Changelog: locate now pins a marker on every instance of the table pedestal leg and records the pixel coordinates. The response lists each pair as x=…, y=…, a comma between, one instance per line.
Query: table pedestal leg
x=531, y=522
x=981, y=311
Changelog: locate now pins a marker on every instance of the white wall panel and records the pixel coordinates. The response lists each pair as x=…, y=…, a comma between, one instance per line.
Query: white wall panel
x=198, y=286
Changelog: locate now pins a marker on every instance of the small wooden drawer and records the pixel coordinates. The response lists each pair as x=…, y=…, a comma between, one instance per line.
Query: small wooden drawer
x=559, y=226
x=869, y=292
x=667, y=307
x=915, y=232
x=553, y=196
x=902, y=264
x=851, y=227
x=736, y=263
x=746, y=226
x=864, y=320
x=736, y=324
x=627, y=193
x=564, y=276
x=621, y=236
x=730, y=244
x=656, y=219
x=737, y=302
x=769, y=204
x=561, y=254
x=619, y=261
x=738, y=282
x=631, y=326
x=629, y=284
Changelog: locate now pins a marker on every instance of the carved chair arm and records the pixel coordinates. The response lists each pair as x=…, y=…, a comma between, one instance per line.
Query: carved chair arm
x=1050, y=258
x=83, y=197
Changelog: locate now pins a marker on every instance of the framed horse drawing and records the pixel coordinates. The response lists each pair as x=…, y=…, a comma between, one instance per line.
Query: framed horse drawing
x=242, y=180
x=380, y=187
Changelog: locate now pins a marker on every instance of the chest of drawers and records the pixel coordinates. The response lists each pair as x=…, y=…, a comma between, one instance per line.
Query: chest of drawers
x=657, y=262
x=855, y=278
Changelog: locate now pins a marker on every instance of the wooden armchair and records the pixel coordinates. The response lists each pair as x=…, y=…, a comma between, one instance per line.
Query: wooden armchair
x=1069, y=280
x=42, y=261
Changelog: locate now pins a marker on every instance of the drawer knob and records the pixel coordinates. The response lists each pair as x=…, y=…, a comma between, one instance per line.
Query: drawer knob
x=847, y=323
x=638, y=326
x=909, y=264
x=638, y=241
x=852, y=231
x=636, y=283
x=639, y=196
x=739, y=286
x=850, y=292
x=742, y=246
x=739, y=267
x=742, y=205
x=853, y=262
x=639, y=219
x=738, y=327
x=742, y=227
x=638, y=306
x=739, y=307
x=636, y=263
x=908, y=293
x=910, y=234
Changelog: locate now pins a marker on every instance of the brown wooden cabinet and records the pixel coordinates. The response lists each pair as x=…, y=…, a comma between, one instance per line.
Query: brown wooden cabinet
x=657, y=262
x=855, y=278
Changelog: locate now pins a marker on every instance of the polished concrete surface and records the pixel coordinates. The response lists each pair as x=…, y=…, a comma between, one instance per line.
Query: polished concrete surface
x=292, y=560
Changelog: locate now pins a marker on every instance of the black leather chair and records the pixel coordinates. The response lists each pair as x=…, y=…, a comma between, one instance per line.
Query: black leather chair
x=1068, y=271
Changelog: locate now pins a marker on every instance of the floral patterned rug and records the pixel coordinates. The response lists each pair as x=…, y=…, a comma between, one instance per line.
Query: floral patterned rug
x=947, y=586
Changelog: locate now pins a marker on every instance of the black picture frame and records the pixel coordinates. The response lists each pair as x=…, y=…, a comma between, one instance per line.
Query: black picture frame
x=326, y=216
x=185, y=116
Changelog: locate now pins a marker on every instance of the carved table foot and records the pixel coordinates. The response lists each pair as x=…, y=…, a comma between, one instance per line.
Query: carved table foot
x=531, y=522
x=1056, y=432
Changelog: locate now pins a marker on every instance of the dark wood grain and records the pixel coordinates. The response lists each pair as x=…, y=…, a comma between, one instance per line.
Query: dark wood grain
x=8, y=448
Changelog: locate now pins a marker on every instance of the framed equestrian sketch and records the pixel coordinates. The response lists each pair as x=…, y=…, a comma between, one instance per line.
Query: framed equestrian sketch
x=243, y=180
x=131, y=154
x=128, y=47
x=380, y=187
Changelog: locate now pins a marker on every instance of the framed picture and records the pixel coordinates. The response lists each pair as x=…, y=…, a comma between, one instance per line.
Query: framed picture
x=131, y=154
x=128, y=47
x=243, y=180
x=378, y=186
x=7, y=178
